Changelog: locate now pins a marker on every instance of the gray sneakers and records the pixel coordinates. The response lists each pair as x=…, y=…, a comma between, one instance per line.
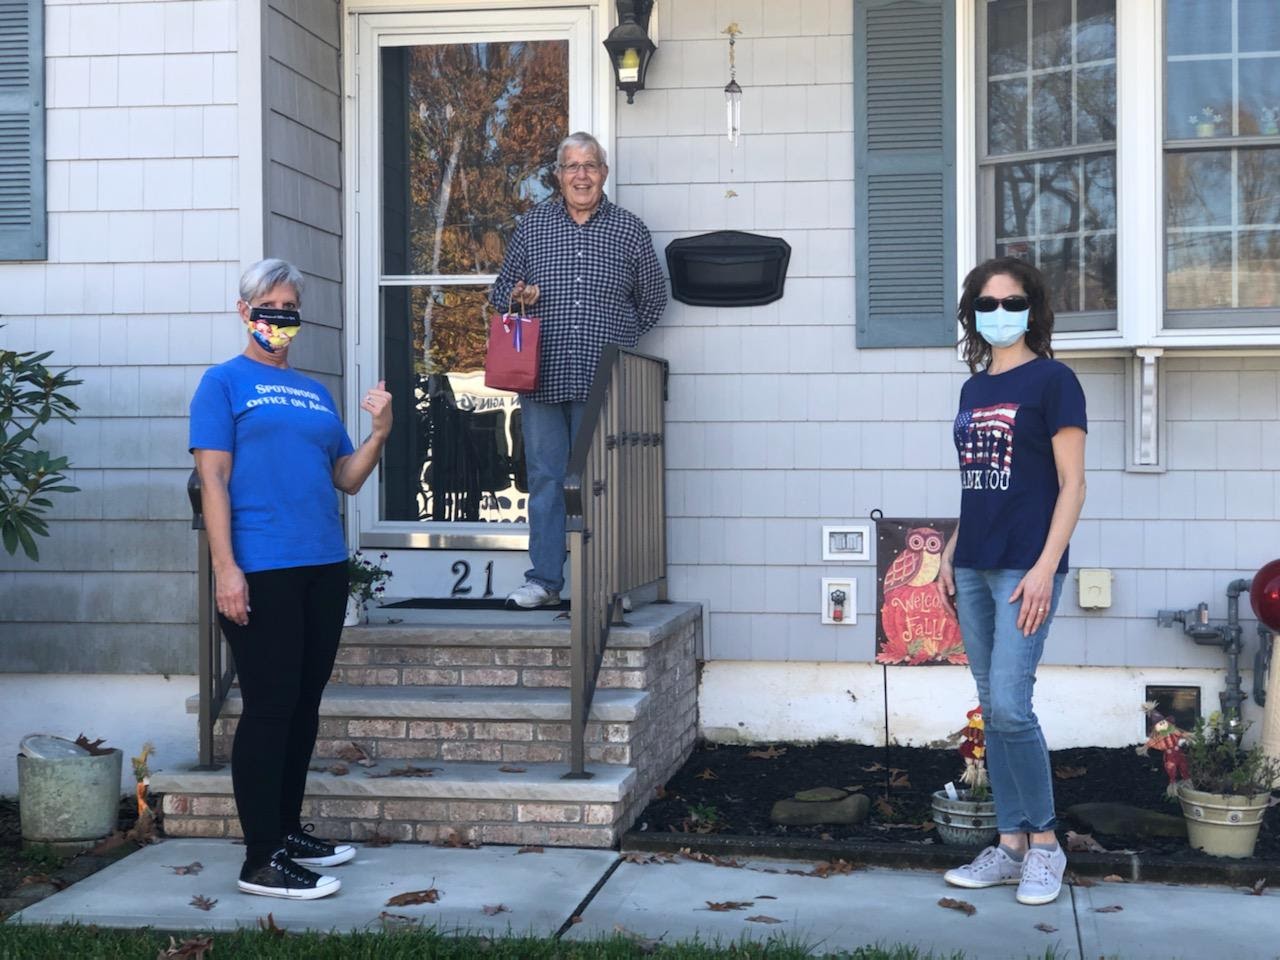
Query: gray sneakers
x=990, y=868
x=1038, y=876
x=1041, y=876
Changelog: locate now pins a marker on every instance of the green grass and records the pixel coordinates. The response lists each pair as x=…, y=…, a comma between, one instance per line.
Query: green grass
x=35, y=942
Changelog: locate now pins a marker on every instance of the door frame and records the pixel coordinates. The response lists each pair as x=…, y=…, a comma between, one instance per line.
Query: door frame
x=367, y=22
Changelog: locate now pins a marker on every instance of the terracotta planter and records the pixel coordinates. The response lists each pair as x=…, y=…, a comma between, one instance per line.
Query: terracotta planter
x=964, y=822
x=1223, y=824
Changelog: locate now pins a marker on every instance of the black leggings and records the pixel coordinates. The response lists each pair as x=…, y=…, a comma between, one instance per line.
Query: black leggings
x=283, y=658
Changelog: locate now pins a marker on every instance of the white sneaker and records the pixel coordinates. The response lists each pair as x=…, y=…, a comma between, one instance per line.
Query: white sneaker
x=532, y=595
x=1041, y=876
x=990, y=868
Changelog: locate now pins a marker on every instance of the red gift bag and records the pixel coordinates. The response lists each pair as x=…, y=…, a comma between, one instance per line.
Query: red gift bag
x=511, y=362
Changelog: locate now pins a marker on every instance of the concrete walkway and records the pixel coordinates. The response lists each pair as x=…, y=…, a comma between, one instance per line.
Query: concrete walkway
x=668, y=901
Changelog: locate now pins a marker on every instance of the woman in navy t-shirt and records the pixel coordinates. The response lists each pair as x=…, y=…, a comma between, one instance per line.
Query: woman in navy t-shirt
x=270, y=449
x=1020, y=435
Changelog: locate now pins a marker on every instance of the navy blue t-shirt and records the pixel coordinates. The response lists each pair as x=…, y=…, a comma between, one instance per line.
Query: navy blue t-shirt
x=283, y=433
x=1008, y=476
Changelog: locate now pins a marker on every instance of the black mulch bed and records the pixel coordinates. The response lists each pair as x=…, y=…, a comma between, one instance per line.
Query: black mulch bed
x=737, y=795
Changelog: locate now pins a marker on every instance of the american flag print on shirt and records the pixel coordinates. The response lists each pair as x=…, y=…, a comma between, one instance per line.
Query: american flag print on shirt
x=984, y=437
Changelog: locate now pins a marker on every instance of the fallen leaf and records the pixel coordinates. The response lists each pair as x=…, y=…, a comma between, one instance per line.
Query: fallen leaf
x=699, y=857
x=269, y=925
x=886, y=808
x=643, y=858
x=927, y=826
x=455, y=840
x=762, y=918
x=95, y=747
x=202, y=902
x=1114, y=878
x=1259, y=885
x=409, y=771
x=397, y=919
x=506, y=769
x=898, y=778
x=1080, y=881
x=430, y=895
x=1069, y=773
x=1077, y=842
x=730, y=194
x=354, y=753
x=378, y=840
x=773, y=751
x=493, y=909
x=830, y=868
x=766, y=896
x=964, y=906
x=707, y=774
x=874, y=768
x=339, y=769
x=193, y=949
x=531, y=848
x=825, y=836
x=1114, y=908
x=727, y=905
x=191, y=869
x=1046, y=928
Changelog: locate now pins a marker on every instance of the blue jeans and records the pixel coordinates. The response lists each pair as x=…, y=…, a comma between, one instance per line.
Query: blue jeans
x=549, y=429
x=1003, y=663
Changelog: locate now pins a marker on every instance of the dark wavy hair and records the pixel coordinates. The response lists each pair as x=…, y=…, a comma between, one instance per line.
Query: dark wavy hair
x=977, y=352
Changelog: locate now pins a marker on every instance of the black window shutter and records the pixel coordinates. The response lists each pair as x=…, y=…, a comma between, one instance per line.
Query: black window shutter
x=22, y=174
x=904, y=172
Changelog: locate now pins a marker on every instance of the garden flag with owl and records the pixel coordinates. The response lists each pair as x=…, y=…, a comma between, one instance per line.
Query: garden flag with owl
x=916, y=625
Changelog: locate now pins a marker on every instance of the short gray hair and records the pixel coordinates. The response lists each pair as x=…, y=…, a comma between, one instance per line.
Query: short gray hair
x=265, y=275
x=583, y=141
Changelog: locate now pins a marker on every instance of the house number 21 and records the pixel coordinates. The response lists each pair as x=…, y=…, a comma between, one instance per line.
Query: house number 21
x=462, y=569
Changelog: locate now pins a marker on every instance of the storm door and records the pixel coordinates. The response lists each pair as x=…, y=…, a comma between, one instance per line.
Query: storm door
x=459, y=116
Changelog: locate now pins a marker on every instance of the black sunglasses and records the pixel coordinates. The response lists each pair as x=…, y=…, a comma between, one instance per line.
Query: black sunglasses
x=988, y=304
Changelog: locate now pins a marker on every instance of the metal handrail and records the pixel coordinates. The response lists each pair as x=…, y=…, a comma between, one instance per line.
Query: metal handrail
x=615, y=507
x=217, y=667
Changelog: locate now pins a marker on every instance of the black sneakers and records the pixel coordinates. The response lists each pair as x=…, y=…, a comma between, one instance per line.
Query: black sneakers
x=311, y=851
x=282, y=877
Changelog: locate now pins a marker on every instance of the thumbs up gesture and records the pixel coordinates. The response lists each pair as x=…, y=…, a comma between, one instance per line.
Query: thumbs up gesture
x=378, y=402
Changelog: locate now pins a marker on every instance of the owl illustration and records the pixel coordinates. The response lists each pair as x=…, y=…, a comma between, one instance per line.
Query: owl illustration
x=918, y=564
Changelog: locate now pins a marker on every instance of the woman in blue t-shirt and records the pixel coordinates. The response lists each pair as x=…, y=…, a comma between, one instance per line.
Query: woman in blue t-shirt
x=270, y=449
x=1020, y=435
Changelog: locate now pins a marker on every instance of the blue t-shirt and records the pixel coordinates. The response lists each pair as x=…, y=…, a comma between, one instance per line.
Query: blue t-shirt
x=1008, y=476
x=284, y=435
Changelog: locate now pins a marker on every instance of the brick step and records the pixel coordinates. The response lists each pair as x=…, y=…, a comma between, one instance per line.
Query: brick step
x=507, y=724
x=468, y=801
x=497, y=648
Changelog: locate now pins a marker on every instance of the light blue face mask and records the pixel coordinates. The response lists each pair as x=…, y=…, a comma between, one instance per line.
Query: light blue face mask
x=1000, y=327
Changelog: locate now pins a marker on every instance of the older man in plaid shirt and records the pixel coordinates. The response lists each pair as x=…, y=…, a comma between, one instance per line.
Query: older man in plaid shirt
x=590, y=268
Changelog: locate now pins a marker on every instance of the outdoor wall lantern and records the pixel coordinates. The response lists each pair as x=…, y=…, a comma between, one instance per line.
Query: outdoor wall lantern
x=629, y=46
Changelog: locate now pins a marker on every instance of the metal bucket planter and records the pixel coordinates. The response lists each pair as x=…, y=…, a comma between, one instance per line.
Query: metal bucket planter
x=69, y=801
x=1223, y=824
x=964, y=822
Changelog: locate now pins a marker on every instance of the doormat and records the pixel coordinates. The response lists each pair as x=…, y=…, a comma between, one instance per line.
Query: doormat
x=453, y=603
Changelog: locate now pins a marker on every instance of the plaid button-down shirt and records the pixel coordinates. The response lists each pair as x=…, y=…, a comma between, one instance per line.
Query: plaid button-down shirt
x=599, y=282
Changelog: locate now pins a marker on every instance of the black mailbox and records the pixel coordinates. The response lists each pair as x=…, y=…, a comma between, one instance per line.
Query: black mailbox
x=728, y=268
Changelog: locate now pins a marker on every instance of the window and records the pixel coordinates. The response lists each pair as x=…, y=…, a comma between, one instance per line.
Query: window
x=1222, y=163
x=1047, y=149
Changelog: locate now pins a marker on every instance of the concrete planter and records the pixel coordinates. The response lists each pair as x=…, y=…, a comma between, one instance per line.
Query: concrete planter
x=964, y=822
x=1222, y=824
x=69, y=800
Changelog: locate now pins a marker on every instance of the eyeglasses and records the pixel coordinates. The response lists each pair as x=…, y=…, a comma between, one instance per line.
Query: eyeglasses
x=988, y=304
x=573, y=169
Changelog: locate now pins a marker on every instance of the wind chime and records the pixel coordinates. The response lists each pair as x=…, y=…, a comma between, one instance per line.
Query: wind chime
x=732, y=92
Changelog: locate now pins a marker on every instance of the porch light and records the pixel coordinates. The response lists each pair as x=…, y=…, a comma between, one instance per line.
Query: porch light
x=732, y=92
x=629, y=46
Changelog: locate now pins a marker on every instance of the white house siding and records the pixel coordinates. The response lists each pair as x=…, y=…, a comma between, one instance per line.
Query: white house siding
x=778, y=424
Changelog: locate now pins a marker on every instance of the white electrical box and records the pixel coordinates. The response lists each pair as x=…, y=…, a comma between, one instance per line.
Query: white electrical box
x=1095, y=589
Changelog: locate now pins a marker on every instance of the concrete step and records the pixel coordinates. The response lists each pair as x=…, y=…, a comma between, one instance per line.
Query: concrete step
x=468, y=801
